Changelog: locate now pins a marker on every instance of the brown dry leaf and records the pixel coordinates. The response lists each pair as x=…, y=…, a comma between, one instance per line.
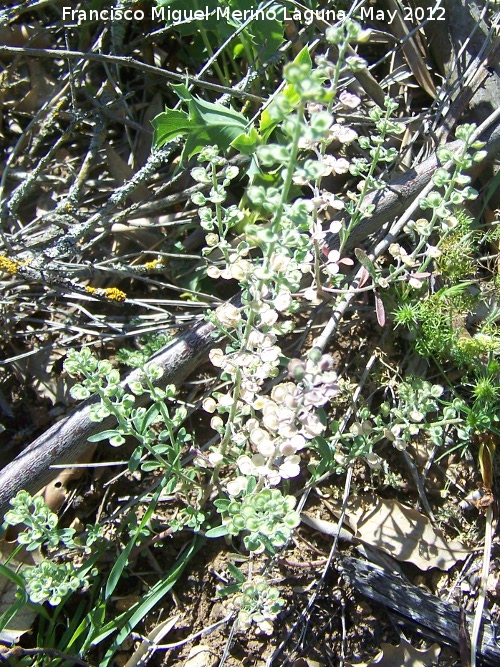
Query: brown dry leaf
x=23, y=620
x=56, y=491
x=201, y=656
x=143, y=148
x=39, y=370
x=42, y=88
x=123, y=172
x=146, y=649
x=25, y=34
x=403, y=533
x=404, y=655
x=410, y=50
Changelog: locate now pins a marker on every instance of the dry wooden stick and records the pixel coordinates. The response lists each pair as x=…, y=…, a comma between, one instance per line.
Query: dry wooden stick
x=438, y=620
x=393, y=200
x=124, y=61
x=66, y=441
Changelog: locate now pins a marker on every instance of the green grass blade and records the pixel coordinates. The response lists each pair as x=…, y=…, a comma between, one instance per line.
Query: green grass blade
x=159, y=590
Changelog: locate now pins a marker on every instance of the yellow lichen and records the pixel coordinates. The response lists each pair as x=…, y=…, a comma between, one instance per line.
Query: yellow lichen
x=9, y=265
x=91, y=290
x=114, y=294
x=150, y=266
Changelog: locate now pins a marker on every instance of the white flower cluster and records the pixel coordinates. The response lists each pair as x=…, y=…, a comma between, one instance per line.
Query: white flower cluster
x=275, y=437
x=318, y=382
x=289, y=419
x=238, y=268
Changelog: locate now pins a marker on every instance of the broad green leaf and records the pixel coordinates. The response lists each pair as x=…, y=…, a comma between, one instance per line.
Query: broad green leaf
x=182, y=92
x=206, y=123
x=303, y=58
x=168, y=125
x=259, y=40
x=196, y=141
x=247, y=143
x=266, y=36
x=215, y=115
x=213, y=23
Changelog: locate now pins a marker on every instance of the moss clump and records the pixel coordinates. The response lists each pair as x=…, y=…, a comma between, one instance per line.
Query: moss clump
x=457, y=261
x=442, y=321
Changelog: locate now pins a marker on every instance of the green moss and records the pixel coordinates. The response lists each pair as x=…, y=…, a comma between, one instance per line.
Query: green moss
x=442, y=318
x=457, y=260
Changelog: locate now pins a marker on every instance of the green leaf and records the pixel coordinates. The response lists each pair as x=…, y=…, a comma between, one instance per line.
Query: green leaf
x=12, y=576
x=20, y=601
x=150, y=416
x=266, y=36
x=72, y=631
x=222, y=124
x=363, y=259
x=207, y=123
x=122, y=560
x=218, y=531
x=168, y=125
x=103, y=435
x=326, y=460
x=149, y=466
x=133, y=616
x=222, y=504
x=195, y=142
x=237, y=574
x=93, y=623
x=303, y=58
x=252, y=483
x=213, y=24
x=247, y=143
x=182, y=92
x=226, y=591
x=117, y=569
x=259, y=40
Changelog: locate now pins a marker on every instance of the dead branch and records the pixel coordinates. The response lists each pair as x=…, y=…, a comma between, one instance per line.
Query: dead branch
x=438, y=620
x=67, y=440
x=124, y=61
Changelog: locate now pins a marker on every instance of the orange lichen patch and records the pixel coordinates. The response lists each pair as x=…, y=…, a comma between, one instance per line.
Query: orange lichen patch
x=9, y=265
